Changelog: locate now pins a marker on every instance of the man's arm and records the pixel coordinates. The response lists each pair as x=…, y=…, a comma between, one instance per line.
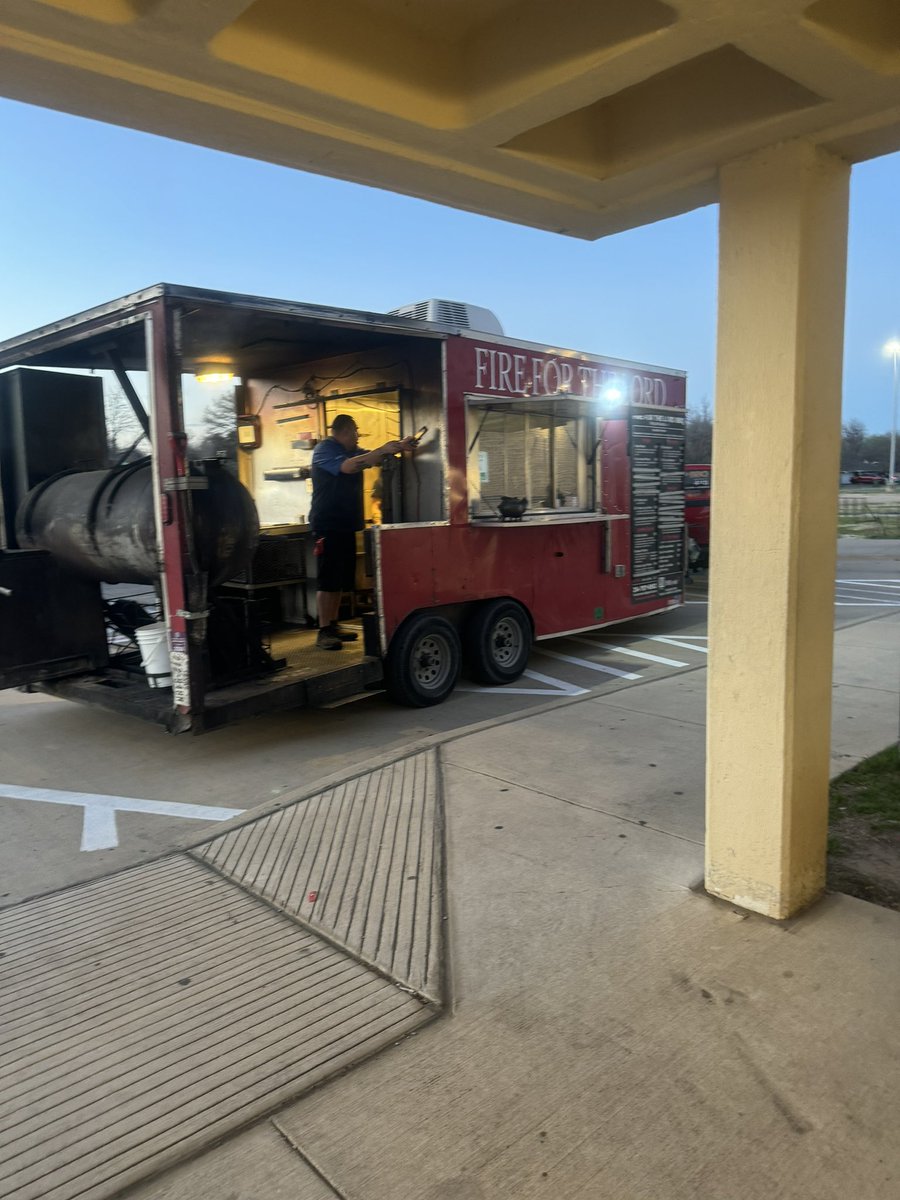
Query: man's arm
x=359, y=462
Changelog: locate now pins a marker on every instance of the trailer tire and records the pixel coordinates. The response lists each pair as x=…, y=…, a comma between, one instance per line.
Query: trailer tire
x=423, y=661
x=498, y=642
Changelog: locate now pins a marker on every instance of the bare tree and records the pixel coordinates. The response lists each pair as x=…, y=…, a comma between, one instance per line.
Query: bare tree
x=219, y=428
x=876, y=452
x=698, y=434
x=122, y=429
x=853, y=439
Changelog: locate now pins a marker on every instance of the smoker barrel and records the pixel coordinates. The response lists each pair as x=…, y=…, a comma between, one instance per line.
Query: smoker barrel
x=101, y=523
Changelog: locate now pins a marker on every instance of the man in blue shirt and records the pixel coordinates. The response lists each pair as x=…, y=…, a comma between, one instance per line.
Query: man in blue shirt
x=337, y=514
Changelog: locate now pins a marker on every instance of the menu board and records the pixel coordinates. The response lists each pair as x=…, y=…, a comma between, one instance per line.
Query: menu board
x=657, y=502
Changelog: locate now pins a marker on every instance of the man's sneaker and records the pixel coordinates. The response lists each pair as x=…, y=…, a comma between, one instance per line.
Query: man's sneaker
x=327, y=639
x=346, y=635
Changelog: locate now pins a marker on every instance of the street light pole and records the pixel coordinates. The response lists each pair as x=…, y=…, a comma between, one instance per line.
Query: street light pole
x=893, y=349
x=893, y=462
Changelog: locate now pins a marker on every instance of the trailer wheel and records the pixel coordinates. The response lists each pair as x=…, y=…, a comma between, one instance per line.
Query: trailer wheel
x=423, y=662
x=498, y=642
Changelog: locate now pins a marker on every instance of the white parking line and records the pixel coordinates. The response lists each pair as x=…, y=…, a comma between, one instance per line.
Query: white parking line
x=861, y=593
x=884, y=583
x=867, y=597
x=666, y=662
x=556, y=687
x=867, y=593
x=872, y=589
x=668, y=641
x=98, y=828
x=849, y=598
x=587, y=664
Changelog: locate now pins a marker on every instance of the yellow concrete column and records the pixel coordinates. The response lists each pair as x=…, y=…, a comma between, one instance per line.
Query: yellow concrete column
x=782, y=269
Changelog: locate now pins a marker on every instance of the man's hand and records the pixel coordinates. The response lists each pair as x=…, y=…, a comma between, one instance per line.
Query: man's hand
x=373, y=458
x=398, y=447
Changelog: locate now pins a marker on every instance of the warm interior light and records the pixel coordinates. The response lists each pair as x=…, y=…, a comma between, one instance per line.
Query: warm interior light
x=206, y=376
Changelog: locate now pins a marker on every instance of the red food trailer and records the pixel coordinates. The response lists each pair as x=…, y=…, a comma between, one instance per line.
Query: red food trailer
x=544, y=497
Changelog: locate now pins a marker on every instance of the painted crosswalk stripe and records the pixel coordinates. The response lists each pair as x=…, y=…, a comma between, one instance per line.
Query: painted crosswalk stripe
x=587, y=664
x=656, y=658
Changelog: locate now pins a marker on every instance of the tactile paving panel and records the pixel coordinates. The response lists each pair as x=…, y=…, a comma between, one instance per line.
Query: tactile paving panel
x=154, y=1011
x=361, y=862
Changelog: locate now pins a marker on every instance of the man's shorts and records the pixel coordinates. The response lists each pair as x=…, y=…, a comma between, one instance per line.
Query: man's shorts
x=336, y=561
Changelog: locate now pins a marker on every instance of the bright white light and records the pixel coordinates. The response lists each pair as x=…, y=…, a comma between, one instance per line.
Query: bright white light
x=611, y=394
x=215, y=377
x=892, y=347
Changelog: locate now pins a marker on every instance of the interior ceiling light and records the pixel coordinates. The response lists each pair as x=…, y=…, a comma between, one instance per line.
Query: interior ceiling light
x=214, y=372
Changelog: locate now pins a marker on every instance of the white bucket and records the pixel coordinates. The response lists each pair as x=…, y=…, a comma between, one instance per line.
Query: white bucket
x=153, y=643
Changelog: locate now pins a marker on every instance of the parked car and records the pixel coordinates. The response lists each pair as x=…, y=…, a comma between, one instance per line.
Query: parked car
x=872, y=478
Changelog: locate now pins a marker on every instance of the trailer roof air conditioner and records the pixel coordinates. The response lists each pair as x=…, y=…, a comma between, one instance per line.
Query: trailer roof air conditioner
x=453, y=313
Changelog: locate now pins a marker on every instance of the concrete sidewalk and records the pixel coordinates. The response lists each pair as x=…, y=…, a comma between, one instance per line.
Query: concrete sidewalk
x=609, y=1032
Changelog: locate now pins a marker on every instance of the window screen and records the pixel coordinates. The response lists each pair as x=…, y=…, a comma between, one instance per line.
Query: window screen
x=532, y=451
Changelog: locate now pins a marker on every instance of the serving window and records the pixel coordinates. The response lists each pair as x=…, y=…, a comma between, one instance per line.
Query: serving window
x=538, y=449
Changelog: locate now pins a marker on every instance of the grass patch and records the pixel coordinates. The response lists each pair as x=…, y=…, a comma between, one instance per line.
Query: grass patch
x=864, y=838
x=859, y=527
x=835, y=845
x=871, y=790
x=868, y=517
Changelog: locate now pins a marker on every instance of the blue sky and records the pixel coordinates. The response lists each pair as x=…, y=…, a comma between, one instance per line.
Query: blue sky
x=89, y=212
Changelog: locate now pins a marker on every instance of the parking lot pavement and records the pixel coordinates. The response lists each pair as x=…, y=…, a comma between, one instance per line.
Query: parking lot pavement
x=578, y=958
x=84, y=792
x=868, y=579
x=142, y=774
x=867, y=593
x=579, y=828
